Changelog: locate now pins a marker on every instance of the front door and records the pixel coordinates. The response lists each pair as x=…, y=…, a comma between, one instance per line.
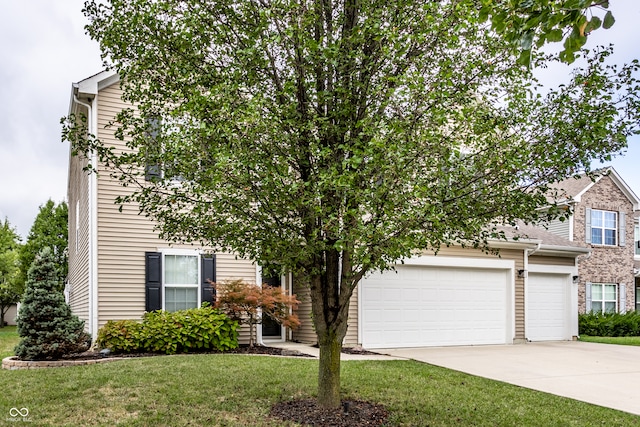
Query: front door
x=270, y=328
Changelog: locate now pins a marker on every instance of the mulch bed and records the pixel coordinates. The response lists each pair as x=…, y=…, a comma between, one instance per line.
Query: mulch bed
x=243, y=349
x=354, y=413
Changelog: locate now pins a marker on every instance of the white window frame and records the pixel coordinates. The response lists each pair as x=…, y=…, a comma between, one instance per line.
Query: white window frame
x=604, y=300
x=181, y=252
x=602, y=229
x=636, y=240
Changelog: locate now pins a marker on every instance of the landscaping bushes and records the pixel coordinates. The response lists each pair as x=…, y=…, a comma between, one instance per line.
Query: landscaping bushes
x=185, y=331
x=609, y=324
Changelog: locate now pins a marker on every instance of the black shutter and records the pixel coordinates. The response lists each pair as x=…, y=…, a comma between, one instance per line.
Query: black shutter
x=208, y=266
x=153, y=281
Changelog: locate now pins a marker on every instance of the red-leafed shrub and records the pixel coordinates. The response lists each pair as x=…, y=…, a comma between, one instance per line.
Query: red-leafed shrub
x=248, y=303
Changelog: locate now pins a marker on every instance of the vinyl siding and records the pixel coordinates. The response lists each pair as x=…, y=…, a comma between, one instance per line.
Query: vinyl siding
x=305, y=333
x=549, y=260
x=560, y=228
x=124, y=237
x=78, y=197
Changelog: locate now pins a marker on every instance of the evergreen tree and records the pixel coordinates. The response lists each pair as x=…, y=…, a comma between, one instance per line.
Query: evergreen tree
x=49, y=229
x=45, y=323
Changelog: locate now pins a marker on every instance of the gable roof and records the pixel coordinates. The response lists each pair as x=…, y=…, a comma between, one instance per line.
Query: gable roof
x=572, y=189
x=90, y=86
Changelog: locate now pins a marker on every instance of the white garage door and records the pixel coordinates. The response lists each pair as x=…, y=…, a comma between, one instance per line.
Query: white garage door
x=419, y=306
x=547, y=301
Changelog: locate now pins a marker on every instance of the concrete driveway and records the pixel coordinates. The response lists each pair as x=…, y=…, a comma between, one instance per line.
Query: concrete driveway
x=605, y=375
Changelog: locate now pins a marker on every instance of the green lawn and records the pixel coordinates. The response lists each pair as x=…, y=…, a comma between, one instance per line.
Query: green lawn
x=8, y=340
x=238, y=390
x=612, y=340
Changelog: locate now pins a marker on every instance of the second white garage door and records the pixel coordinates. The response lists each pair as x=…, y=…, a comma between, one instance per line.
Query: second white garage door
x=419, y=306
x=547, y=315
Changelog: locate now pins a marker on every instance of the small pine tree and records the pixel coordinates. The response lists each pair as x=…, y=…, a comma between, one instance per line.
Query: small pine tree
x=45, y=323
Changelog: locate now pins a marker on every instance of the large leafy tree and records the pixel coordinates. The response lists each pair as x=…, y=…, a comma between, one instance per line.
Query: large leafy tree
x=11, y=287
x=332, y=138
x=49, y=229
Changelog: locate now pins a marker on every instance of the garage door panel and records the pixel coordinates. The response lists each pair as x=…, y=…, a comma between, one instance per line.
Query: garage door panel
x=435, y=306
x=547, y=307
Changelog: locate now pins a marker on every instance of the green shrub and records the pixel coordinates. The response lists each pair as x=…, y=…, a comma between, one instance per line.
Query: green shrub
x=197, y=329
x=609, y=324
x=122, y=336
x=47, y=328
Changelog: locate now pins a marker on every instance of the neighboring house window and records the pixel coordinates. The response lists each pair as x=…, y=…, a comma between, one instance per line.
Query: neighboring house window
x=605, y=228
x=636, y=239
x=603, y=297
x=178, y=280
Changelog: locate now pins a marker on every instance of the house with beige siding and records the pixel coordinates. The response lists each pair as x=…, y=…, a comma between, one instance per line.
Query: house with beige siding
x=119, y=268
x=601, y=217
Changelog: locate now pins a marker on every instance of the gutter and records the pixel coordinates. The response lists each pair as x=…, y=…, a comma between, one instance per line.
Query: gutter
x=93, y=217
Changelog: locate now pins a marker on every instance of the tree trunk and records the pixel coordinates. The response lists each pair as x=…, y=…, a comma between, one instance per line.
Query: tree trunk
x=329, y=372
x=330, y=312
x=3, y=311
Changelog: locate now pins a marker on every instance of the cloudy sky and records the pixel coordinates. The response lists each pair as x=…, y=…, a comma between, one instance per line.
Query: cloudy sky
x=43, y=50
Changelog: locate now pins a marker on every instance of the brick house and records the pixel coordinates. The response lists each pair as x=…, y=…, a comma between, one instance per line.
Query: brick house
x=602, y=213
x=636, y=257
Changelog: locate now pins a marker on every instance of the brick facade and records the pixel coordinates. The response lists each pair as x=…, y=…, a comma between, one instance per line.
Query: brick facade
x=606, y=264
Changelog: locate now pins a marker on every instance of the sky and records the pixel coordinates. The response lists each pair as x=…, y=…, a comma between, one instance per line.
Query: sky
x=44, y=49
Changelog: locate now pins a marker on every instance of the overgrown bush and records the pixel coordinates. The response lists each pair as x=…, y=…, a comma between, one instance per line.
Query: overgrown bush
x=193, y=330
x=609, y=324
x=47, y=328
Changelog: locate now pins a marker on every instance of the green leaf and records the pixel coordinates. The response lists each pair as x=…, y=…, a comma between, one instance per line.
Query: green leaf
x=592, y=25
x=609, y=20
x=526, y=40
x=555, y=35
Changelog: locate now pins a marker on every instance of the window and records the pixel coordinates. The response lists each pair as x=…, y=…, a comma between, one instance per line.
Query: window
x=604, y=227
x=178, y=279
x=604, y=298
x=181, y=282
x=636, y=239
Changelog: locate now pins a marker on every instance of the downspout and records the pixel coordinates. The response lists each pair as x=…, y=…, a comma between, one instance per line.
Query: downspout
x=527, y=254
x=93, y=220
x=258, y=327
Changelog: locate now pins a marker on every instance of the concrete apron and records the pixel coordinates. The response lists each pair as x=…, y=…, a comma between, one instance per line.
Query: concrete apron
x=602, y=374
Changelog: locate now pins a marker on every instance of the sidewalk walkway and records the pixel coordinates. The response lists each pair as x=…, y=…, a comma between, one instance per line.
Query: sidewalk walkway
x=315, y=351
